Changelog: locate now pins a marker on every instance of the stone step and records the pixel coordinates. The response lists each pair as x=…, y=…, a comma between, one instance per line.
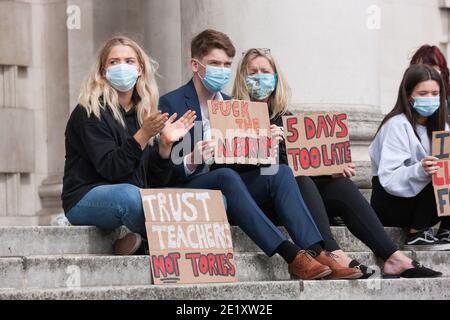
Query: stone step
x=25, y=241
x=397, y=289
x=93, y=270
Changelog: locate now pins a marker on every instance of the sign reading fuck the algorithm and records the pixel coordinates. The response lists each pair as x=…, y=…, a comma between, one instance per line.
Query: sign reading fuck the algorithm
x=241, y=130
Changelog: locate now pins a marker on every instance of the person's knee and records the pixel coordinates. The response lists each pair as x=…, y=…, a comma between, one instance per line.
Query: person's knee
x=133, y=215
x=129, y=198
x=284, y=172
x=345, y=185
x=228, y=176
x=303, y=181
x=133, y=195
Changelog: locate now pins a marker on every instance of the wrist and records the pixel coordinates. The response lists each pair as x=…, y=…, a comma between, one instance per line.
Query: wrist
x=164, y=150
x=190, y=159
x=142, y=138
x=162, y=139
x=188, y=163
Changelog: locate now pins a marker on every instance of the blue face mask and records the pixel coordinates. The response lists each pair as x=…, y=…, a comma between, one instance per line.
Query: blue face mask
x=261, y=85
x=122, y=77
x=216, y=78
x=426, y=106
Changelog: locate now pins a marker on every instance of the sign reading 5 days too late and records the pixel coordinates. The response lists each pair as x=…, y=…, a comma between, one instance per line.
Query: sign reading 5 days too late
x=317, y=143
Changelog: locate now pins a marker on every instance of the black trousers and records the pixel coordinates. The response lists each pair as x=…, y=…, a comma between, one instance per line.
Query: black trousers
x=417, y=213
x=327, y=197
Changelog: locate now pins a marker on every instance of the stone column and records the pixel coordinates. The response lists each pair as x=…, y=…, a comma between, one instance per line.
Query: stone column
x=34, y=95
x=51, y=46
x=162, y=40
x=17, y=147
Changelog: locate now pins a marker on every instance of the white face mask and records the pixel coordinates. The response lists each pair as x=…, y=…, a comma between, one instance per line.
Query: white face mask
x=216, y=78
x=122, y=77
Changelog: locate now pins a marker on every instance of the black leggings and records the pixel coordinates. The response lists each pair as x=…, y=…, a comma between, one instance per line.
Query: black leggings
x=328, y=197
x=418, y=213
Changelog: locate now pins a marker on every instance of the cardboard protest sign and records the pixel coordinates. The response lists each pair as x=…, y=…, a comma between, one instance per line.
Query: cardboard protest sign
x=241, y=130
x=189, y=236
x=317, y=143
x=441, y=179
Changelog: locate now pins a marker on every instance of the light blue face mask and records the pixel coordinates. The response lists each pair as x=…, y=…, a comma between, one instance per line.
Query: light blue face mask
x=261, y=85
x=122, y=77
x=426, y=106
x=216, y=78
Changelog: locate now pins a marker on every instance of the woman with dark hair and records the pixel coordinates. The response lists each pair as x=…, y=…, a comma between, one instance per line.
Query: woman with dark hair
x=402, y=167
x=433, y=56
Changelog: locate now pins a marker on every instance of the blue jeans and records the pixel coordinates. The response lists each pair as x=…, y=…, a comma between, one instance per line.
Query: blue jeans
x=109, y=207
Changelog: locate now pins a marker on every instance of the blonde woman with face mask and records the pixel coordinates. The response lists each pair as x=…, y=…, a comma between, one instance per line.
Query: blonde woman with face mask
x=260, y=78
x=117, y=142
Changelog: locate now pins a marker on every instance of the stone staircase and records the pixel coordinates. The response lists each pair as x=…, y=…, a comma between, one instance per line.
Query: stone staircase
x=77, y=263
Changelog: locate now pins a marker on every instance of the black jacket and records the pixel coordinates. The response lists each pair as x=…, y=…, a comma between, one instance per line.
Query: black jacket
x=100, y=152
x=278, y=120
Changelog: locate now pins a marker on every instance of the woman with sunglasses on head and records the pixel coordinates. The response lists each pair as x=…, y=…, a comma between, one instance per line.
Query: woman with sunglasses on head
x=260, y=78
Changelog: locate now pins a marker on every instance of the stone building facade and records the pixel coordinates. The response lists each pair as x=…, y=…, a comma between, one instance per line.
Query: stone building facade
x=344, y=55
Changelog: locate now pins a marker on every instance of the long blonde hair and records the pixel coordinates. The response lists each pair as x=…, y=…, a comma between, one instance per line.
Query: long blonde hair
x=279, y=99
x=96, y=92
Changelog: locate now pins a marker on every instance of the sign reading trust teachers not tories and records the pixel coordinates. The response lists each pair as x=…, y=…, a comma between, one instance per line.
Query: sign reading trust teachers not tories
x=189, y=236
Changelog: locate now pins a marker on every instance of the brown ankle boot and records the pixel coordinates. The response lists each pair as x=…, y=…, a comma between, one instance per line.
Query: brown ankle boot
x=127, y=245
x=305, y=267
x=338, y=271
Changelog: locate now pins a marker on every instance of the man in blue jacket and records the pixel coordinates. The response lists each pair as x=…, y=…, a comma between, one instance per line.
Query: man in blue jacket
x=212, y=54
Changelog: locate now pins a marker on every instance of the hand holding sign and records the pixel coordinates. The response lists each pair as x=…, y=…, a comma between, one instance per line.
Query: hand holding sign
x=348, y=172
x=277, y=134
x=430, y=164
x=204, y=150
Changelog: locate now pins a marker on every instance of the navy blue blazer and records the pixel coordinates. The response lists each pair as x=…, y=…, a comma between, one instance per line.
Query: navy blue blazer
x=180, y=101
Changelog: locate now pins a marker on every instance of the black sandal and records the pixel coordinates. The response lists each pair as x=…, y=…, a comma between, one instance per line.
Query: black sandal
x=366, y=271
x=419, y=271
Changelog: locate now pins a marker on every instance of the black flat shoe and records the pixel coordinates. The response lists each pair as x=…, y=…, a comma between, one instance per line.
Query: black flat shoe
x=419, y=271
x=366, y=271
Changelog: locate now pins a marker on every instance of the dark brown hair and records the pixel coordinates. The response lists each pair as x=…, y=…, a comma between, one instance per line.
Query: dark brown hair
x=210, y=39
x=414, y=75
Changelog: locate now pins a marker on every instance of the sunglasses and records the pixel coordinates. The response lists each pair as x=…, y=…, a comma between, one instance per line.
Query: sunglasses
x=265, y=51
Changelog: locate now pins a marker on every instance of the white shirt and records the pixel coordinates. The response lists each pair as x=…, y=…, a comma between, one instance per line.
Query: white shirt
x=396, y=153
x=206, y=132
